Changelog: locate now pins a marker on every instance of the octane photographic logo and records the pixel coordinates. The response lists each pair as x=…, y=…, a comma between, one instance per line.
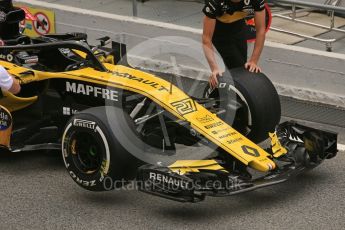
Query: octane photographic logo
x=172, y=72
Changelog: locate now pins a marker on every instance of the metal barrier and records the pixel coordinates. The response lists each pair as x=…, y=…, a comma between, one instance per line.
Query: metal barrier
x=297, y=6
x=135, y=8
x=331, y=6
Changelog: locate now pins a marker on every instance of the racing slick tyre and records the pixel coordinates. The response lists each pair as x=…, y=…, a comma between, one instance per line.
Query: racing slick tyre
x=93, y=156
x=259, y=111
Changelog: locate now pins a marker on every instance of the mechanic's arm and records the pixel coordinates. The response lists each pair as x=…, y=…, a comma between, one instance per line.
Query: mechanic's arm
x=208, y=30
x=260, y=25
x=15, y=86
x=7, y=82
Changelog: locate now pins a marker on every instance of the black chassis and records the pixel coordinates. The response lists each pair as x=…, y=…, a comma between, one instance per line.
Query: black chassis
x=40, y=126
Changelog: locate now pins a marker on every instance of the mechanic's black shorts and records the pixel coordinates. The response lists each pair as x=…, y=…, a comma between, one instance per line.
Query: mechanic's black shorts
x=230, y=41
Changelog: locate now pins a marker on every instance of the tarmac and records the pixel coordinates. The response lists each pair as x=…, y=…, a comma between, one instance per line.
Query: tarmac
x=37, y=193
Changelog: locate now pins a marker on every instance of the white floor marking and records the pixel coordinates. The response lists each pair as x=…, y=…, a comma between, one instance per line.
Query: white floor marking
x=341, y=147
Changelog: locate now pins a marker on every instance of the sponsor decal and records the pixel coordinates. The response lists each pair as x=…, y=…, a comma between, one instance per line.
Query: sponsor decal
x=250, y=151
x=68, y=111
x=222, y=130
x=205, y=119
x=84, y=124
x=31, y=60
x=234, y=140
x=5, y=120
x=249, y=11
x=153, y=84
x=89, y=90
x=219, y=123
x=82, y=182
x=7, y=57
x=168, y=180
x=185, y=106
x=65, y=51
x=224, y=136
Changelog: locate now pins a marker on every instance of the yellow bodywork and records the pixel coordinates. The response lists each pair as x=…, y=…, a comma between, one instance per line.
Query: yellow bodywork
x=277, y=149
x=171, y=98
x=185, y=166
x=14, y=103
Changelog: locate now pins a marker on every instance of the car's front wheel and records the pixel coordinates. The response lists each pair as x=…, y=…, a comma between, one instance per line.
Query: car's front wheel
x=93, y=156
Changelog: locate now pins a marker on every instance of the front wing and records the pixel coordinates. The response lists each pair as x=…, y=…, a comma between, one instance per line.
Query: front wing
x=192, y=181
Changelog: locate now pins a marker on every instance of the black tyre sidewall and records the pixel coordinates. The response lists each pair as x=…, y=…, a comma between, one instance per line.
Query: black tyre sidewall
x=263, y=101
x=116, y=158
x=261, y=97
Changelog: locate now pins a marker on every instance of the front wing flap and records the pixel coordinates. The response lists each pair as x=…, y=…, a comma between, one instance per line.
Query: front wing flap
x=192, y=181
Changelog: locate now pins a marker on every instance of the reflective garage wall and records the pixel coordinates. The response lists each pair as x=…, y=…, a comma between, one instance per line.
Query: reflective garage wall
x=179, y=12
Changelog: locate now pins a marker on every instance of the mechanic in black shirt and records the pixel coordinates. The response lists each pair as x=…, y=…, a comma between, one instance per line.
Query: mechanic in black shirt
x=7, y=82
x=224, y=26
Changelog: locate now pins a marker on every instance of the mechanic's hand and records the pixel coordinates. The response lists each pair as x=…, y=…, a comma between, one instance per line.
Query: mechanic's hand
x=213, y=80
x=252, y=67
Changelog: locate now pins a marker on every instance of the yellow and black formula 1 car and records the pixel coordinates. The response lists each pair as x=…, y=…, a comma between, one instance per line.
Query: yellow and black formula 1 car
x=109, y=118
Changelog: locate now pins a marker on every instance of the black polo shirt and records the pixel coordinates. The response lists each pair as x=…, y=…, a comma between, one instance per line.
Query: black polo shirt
x=230, y=15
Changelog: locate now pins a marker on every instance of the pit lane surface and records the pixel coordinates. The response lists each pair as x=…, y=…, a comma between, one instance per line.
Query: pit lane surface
x=37, y=193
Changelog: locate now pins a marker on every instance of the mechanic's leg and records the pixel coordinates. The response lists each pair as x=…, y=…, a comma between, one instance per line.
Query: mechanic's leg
x=242, y=46
x=233, y=52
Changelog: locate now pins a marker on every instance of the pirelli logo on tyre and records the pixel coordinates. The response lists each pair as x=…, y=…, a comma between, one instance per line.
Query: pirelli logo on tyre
x=185, y=106
x=84, y=124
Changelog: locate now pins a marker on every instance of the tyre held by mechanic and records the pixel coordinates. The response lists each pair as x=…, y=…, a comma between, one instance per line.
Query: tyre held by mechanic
x=224, y=28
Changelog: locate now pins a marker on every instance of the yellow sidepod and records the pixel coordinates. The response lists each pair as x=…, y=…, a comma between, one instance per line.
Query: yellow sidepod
x=14, y=103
